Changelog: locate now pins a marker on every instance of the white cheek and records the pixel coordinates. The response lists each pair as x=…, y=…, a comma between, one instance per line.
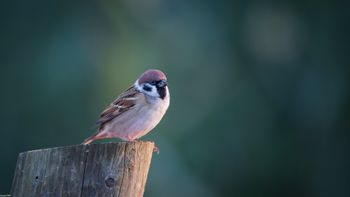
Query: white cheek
x=152, y=93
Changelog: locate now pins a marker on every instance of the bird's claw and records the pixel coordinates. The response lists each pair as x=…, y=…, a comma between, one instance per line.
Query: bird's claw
x=156, y=150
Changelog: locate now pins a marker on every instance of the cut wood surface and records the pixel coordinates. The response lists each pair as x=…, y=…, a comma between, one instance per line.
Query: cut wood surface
x=112, y=169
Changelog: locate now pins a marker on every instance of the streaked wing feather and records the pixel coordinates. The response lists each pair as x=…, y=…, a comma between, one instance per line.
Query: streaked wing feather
x=122, y=104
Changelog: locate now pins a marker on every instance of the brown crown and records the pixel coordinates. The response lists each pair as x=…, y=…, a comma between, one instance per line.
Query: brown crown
x=152, y=75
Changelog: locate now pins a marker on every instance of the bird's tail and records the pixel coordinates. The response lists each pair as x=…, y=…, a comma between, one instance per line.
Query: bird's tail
x=87, y=141
x=92, y=138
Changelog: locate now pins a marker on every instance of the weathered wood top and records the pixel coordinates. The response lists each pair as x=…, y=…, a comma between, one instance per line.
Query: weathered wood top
x=112, y=169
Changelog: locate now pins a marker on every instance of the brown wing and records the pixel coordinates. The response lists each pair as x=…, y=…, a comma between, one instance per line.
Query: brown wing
x=122, y=104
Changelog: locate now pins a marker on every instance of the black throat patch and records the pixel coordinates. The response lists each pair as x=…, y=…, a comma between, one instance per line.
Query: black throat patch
x=161, y=91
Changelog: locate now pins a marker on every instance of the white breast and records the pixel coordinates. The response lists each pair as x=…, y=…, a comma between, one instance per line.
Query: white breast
x=137, y=122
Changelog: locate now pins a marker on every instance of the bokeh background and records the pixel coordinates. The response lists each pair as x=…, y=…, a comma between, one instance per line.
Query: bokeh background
x=260, y=89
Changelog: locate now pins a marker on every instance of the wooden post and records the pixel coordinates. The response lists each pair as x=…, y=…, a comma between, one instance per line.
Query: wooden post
x=112, y=169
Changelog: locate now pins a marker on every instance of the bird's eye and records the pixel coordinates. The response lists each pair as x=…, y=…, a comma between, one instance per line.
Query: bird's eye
x=147, y=88
x=153, y=83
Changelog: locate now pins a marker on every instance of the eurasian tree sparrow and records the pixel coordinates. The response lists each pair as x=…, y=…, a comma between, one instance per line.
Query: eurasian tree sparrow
x=136, y=111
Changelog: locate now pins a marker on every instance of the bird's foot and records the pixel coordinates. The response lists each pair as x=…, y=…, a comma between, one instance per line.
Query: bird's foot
x=156, y=150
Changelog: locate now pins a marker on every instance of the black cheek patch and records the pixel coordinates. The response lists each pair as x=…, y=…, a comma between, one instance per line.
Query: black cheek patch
x=147, y=88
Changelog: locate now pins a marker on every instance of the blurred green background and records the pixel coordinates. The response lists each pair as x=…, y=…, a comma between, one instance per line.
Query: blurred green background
x=260, y=90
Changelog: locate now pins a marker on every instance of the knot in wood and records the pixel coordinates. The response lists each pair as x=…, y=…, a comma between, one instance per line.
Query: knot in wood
x=110, y=181
x=37, y=179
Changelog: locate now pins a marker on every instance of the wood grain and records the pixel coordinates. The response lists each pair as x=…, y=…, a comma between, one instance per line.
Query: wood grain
x=112, y=169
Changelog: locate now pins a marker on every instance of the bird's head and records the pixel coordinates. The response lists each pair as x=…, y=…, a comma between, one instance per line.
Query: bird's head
x=152, y=83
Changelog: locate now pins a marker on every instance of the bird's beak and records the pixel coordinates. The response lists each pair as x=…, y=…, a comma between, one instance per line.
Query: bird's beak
x=162, y=83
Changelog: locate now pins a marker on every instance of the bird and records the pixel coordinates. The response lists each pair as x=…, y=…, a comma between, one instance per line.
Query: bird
x=136, y=111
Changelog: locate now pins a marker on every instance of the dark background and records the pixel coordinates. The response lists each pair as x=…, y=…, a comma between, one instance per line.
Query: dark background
x=260, y=89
